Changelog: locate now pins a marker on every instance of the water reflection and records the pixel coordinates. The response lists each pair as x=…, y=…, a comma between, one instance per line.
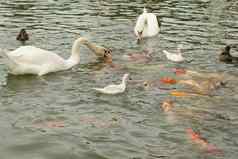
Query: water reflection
x=130, y=125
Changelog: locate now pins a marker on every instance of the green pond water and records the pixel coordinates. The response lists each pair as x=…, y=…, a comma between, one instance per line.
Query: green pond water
x=59, y=116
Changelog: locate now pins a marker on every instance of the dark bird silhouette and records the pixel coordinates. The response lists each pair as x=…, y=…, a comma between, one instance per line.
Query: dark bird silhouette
x=22, y=36
x=226, y=57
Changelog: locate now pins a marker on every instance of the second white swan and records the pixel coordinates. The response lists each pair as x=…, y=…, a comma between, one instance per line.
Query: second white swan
x=147, y=25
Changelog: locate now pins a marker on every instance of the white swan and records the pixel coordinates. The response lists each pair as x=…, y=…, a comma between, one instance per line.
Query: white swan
x=147, y=25
x=33, y=60
x=176, y=57
x=114, y=89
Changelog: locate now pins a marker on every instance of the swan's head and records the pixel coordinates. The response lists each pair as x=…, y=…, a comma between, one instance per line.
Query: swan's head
x=22, y=36
x=140, y=25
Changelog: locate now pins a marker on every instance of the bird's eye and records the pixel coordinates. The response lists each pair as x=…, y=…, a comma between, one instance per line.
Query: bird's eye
x=145, y=84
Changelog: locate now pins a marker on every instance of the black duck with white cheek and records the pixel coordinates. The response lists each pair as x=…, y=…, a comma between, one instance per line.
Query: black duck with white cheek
x=226, y=57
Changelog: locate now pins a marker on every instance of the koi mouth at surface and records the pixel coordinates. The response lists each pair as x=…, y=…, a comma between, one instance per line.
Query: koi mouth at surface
x=199, y=140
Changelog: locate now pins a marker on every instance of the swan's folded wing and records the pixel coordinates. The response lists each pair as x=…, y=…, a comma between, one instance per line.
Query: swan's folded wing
x=34, y=55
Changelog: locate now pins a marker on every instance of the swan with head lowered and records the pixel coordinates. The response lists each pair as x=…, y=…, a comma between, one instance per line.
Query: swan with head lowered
x=33, y=60
x=147, y=25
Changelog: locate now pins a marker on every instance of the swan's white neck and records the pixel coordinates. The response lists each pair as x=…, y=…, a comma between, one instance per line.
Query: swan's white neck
x=74, y=59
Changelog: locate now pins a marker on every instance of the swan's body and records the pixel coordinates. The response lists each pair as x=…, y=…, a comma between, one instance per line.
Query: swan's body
x=147, y=25
x=33, y=60
x=114, y=89
x=176, y=57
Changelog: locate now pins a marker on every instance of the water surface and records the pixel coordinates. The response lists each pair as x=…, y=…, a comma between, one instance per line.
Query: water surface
x=130, y=125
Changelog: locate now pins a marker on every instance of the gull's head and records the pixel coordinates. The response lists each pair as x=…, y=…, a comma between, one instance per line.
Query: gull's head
x=125, y=76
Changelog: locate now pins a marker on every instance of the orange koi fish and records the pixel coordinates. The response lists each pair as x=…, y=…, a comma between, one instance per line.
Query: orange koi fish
x=168, y=80
x=179, y=94
x=198, y=139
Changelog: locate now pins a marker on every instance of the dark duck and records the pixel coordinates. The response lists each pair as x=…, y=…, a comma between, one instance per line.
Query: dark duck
x=22, y=36
x=226, y=57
